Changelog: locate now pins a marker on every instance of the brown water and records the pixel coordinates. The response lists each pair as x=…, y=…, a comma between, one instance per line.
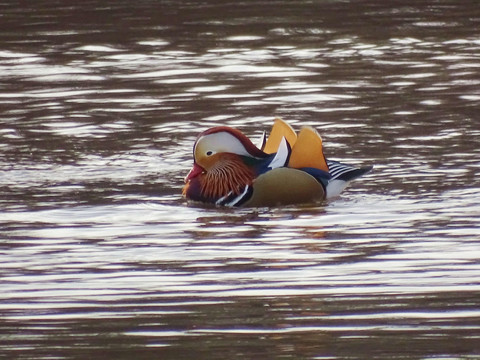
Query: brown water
x=102, y=259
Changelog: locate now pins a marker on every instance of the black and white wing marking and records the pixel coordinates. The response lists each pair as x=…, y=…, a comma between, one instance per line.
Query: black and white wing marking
x=341, y=175
x=282, y=155
x=262, y=141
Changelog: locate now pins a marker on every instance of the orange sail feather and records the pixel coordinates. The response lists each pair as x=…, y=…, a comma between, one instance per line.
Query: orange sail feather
x=308, y=151
x=280, y=130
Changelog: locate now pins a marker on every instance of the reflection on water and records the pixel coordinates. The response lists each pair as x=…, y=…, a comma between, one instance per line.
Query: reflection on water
x=101, y=257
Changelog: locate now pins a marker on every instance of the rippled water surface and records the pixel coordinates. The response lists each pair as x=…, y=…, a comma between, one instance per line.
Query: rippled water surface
x=101, y=257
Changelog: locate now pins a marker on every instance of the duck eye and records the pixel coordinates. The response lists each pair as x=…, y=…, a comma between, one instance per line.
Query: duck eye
x=209, y=153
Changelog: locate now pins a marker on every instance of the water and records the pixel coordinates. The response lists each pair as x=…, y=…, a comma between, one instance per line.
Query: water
x=102, y=258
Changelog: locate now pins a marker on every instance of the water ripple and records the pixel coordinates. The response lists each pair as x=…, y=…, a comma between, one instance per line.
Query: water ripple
x=102, y=104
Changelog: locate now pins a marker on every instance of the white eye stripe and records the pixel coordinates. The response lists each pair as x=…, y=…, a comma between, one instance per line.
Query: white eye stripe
x=220, y=142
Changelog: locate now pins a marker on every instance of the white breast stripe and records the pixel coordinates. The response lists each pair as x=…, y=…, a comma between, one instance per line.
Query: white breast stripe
x=239, y=197
x=223, y=198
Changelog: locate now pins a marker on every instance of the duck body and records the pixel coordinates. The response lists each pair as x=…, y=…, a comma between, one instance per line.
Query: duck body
x=292, y=186
x=230, y=170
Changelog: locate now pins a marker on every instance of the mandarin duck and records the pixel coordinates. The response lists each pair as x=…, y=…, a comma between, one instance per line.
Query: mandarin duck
x=285, y=169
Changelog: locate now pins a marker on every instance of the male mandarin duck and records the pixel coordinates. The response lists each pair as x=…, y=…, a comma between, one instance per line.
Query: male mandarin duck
x=287, y=168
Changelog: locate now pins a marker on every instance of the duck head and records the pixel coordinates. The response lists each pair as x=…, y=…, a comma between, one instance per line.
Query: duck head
x=223, y=164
